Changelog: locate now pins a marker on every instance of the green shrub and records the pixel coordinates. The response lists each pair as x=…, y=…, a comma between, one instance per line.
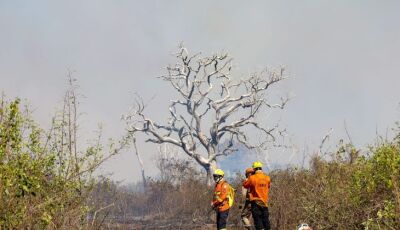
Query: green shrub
x=45, y=181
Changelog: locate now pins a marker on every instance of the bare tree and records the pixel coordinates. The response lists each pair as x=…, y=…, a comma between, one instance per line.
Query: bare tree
x=214, y=112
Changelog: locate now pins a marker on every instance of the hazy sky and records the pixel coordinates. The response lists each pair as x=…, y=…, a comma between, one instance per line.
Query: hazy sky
x=344, y=57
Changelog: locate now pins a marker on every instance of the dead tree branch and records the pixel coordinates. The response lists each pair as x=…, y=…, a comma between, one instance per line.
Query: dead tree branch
x=214, y=107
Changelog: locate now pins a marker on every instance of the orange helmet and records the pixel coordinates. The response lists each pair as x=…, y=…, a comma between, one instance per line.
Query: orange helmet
x=249, y=170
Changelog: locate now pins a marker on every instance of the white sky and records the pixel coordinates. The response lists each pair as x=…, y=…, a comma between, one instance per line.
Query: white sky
x=344, y=57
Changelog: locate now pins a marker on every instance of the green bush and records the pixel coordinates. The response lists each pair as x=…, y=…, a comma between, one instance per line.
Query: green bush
x=45, y=181
x=346, y=192
x=376, y=187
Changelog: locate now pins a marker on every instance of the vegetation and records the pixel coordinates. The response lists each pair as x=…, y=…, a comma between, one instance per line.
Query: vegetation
x=47, y=183
x=45, y=180
x=349, y=191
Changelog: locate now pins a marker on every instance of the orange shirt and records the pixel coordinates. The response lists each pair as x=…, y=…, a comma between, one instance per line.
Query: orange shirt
x=259, y=185
x=220, y=199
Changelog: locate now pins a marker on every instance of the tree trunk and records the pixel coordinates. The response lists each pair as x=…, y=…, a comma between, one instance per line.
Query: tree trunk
x=210, y=168
x=140, y=163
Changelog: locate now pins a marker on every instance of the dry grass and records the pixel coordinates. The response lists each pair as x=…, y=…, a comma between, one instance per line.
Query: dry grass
x=327, y=196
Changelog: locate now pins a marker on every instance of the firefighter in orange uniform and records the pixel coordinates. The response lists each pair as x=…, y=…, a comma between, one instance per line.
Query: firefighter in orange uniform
x=220, y=200
x=259, y=185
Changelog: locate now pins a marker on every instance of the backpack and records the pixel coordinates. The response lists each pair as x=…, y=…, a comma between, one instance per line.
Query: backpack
x=231, y=195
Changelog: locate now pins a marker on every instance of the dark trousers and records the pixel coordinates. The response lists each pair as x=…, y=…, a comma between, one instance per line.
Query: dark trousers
x=222, y=217
x=260, y=216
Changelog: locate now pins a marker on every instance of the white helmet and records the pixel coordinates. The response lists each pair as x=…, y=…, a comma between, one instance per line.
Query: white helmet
x=303, y=227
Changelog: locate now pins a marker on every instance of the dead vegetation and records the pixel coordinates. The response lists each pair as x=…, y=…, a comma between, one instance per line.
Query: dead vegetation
x=341, y=193
x=214, y=109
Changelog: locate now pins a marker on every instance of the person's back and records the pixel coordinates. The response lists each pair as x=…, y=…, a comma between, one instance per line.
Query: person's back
x=259, y=188
x=259, y=185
